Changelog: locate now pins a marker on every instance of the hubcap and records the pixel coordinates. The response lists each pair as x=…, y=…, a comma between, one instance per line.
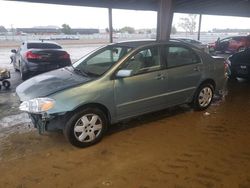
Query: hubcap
x=88, y=127
x=205, y=96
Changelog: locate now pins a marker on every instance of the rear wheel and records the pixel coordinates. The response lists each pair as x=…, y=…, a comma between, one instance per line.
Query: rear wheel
x=24, y=76
x=86, y=127
x=203, y=97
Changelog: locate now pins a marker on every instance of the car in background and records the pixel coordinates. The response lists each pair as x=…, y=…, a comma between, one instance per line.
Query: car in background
x=196, y=43
x=117, y=82
x=239, y=64
x=35, y=57
x=230, y=44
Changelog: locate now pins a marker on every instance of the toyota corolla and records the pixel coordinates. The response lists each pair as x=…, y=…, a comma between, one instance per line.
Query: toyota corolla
x=117, y=82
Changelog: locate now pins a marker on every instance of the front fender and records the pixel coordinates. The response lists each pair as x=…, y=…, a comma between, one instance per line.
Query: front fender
x=93, y=92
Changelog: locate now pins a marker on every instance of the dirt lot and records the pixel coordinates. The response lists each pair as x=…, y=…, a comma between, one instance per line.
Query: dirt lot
x=176, y=148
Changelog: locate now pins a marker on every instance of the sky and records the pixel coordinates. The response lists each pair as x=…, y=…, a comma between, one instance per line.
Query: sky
x=21, y=14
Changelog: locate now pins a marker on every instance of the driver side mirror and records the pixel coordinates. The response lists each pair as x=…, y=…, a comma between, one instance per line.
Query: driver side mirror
x=123, y=73
x=14, y=51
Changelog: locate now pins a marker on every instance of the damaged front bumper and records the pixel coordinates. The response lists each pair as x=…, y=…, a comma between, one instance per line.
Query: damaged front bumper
x=46, y=122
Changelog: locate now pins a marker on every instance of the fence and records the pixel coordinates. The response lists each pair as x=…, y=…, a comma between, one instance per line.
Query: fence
x=205, y=37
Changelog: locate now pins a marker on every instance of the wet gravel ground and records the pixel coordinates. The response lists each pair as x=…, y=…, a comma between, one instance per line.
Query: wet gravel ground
x=176, y=147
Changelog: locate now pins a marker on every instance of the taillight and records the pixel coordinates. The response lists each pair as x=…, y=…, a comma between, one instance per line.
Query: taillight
x=65, y=55
x=31, y=55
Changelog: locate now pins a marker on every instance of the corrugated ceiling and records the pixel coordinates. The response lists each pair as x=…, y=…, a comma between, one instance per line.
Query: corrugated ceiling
x=212, y=7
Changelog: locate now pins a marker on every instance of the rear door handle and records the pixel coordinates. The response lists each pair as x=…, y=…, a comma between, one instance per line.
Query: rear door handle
x=196, y=68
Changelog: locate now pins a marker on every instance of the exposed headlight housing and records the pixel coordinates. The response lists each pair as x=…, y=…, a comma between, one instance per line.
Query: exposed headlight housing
x=37, y=105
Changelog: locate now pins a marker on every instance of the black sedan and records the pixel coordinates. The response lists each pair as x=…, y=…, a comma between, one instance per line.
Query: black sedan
x=35, y=57
x=239, y=64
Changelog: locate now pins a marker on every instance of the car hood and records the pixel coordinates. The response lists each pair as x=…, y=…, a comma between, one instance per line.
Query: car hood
x=49, y=83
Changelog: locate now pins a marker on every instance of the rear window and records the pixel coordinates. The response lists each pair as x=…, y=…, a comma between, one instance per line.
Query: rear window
x=43, y=46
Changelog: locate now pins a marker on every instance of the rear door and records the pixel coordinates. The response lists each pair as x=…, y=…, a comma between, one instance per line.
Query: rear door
x=183, y=73
x=143, y=91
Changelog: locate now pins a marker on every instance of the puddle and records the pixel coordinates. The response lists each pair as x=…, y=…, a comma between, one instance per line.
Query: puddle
x=19, y=123
x=14, y=120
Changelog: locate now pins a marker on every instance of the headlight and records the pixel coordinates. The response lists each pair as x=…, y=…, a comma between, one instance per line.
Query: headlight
x=37, y=105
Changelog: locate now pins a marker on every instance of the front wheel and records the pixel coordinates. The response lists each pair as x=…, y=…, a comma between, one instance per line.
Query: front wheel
x=86, y=127
x=203, y=97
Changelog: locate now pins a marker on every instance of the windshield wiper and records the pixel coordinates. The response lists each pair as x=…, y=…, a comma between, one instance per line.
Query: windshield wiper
x=91, y=73
x=84, y=72
x=79, y=71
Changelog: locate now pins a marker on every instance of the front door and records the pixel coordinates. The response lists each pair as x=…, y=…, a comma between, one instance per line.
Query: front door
x=143, y=91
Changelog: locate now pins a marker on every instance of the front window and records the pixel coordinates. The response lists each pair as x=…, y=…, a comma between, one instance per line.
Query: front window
x=102, y=60
x=144, y=61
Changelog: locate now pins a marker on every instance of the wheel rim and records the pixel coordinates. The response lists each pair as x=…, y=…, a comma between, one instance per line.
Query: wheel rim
x=205, y=96
x=88, y=128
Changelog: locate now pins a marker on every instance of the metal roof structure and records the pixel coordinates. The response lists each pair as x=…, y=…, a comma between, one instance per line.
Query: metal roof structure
x=211, y=7
x=164, y=8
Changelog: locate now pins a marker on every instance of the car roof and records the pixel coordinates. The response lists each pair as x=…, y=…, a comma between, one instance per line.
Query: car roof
x=142, y=43
x=240, y=36
x=40, y=41
x=185, y=39
x=134, y=43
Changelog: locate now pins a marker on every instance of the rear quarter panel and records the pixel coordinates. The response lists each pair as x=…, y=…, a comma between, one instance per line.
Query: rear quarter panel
x=215, y=70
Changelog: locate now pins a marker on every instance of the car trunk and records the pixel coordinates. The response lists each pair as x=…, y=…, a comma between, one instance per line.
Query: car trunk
x=50, y=58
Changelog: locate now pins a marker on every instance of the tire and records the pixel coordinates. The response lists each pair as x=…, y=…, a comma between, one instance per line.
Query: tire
x=6, y=84
x=203, y=97
x=24, y=76
x=81, y=132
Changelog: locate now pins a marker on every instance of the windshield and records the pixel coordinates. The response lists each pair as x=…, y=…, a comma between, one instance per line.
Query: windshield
x=102, y=60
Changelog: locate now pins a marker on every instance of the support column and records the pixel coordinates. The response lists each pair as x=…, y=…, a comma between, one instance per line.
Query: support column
x=164, y=19
x=110, y=26
x=199, y=28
